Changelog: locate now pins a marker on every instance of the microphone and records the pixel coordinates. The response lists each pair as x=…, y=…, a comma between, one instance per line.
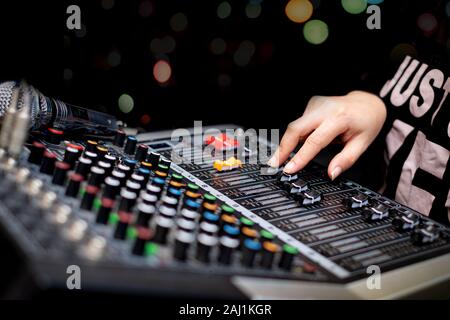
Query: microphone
x=49, y=112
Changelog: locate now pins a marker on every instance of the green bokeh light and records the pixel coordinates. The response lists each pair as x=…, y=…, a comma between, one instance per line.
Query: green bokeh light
x=315, y=31
x=354, y=6
x=126, y=103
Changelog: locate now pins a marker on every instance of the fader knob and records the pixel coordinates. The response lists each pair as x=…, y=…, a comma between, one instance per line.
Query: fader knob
x=287, y=257
x=48, y=163
x=425, y=235
x=406, y=222
x=287, y=177
x=358, y=200
x=60, y=173
x=130, y=145
x=37, y=152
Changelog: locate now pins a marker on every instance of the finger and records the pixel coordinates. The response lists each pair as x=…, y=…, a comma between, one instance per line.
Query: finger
x=351, y=152
x=295, y=132
x=316, y=141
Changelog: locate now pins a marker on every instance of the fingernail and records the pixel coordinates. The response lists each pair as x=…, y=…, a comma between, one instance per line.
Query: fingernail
x=273, y=162
x=289, y=167
x=336, y=172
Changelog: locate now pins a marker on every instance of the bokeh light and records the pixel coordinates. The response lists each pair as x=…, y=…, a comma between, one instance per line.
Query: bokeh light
x=224, y=80
x=299, y=11
x=68, y=74
x=374, y=1
x=447, y=9
x=354, y=6
x=253, y=10
x=178, y=22
x=218, y=46
x=244, y=53
x=427, y=23
x=223, y=10
x=114, y=58
x=107, y=4
x=165, y=45
x=145, y=119
x=162, y=71
x=145, y=9
x=315, y=31
x=401, y=50
x=126, y=103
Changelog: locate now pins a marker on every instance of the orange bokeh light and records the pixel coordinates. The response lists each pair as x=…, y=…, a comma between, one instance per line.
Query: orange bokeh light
x=162, y=71
x=299, y=11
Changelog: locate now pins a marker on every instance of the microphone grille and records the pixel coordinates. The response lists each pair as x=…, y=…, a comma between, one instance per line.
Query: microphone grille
x=6, y=90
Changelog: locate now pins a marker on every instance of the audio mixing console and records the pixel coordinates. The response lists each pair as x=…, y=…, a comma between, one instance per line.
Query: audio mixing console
x=137, y=220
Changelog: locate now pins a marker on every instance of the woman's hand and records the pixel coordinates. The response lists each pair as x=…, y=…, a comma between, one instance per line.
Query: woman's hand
x=356, y=118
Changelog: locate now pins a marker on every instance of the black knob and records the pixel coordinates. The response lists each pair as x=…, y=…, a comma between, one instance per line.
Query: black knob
x=153, y=158
x=125, y=219
x=119, y=175
x=205, y=243
x=144, y=172
x=149, y=198
x=189, y=214
x=97, y=176
x=141, y=153
x=191, y=204
x=146, y=213
x=91, y=155
x=358, y=200
x=208, y=228
x=88, y=197
x=406, y=222
x=125, y=169
x=287, y=257
x=298, y=186
x=83, y=166
x=375, y=213
x=166, y=163
x=138, y=179
x=54, y=135
x=127, y=200
x=60, y=173
x=102, y=151
x=48, y=163
x=91, y=146
x=427, y=234
x=130, y=163
x=166, y=211
x=106, y=166
x=227, y=247
x=308, y=197
x=133, y=186
x=119, y=138
x=162, y=228
x=183, y=240
x=154, y=189
x=36, y=153
x=110, y=159
x=111, y=189
x=249, y=251
x=104, y=211
x=143, y=235
x=71, y=156
x=130, y=145
x=186, y=225
x=73, y=187
x=174, y=193
x=268, y=254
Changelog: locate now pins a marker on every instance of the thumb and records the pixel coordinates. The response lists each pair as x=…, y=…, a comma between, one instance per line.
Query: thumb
x=351, y=152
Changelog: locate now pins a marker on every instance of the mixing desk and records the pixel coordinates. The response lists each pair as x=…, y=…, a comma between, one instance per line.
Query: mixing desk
x=140, y=215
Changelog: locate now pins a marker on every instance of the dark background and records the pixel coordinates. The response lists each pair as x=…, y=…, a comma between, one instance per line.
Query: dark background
x=270, y=91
